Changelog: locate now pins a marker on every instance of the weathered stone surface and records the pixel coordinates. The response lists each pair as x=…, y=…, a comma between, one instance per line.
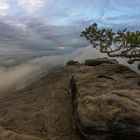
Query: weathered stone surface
x=75, y=102
x=107, y=103
x=95, y=62
x=9, y=135
x=72, y=63
x=42, y=110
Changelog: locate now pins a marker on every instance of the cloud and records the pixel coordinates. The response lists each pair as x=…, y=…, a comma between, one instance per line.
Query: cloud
x=29, y=35
x=11, y=76
x=31, y=5
x=50, y=29
x=15, y=76
x=4, y=5
x=103, y=9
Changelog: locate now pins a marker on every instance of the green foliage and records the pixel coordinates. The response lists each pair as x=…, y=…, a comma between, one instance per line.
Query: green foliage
x=122, y=43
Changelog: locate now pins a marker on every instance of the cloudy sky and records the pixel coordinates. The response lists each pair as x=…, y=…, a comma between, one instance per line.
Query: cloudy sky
x=52, y=27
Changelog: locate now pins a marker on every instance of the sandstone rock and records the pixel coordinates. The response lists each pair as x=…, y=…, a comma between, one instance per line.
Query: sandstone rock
x=139, y=66
x=107, y=103
x=42, y=110
x=72, y=63
x=9, y=135
x=95, y=62
x=75, y=103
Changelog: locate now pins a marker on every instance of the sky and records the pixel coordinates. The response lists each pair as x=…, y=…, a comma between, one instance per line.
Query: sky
x=52, y=27
x=43, y=33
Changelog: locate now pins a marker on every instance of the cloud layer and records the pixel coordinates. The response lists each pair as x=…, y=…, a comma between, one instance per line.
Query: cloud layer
x=31, y=5
x=16, y=77
x=44, y=27
x=4, y=6
x=19, y=76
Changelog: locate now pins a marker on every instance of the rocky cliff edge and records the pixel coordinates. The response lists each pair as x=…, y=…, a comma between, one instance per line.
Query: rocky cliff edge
x=99, y=100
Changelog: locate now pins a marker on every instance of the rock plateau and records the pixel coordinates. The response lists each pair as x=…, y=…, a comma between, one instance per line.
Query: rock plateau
x=96, y=101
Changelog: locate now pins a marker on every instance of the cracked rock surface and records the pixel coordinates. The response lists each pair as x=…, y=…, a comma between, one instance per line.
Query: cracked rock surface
x=107, y=103
x=81, y=102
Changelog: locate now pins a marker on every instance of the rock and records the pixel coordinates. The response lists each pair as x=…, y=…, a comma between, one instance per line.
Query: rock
x=72, y=63
x=41, y=111
x=139, y=66
x=95, y=62
x=107, y=103
x=75, y=103
x=115, y=61
x=9, y=135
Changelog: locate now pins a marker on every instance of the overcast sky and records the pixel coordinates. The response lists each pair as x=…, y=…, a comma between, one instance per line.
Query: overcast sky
x=50, y=27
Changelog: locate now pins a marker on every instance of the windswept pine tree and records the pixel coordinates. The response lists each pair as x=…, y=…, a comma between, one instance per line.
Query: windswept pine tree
x=122, y=43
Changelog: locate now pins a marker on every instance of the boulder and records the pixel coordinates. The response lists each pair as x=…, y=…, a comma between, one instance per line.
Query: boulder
x=72, y=63
x=107, y=103
x=95, y=62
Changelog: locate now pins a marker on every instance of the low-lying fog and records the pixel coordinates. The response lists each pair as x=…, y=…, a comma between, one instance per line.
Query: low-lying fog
x=16, y=76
